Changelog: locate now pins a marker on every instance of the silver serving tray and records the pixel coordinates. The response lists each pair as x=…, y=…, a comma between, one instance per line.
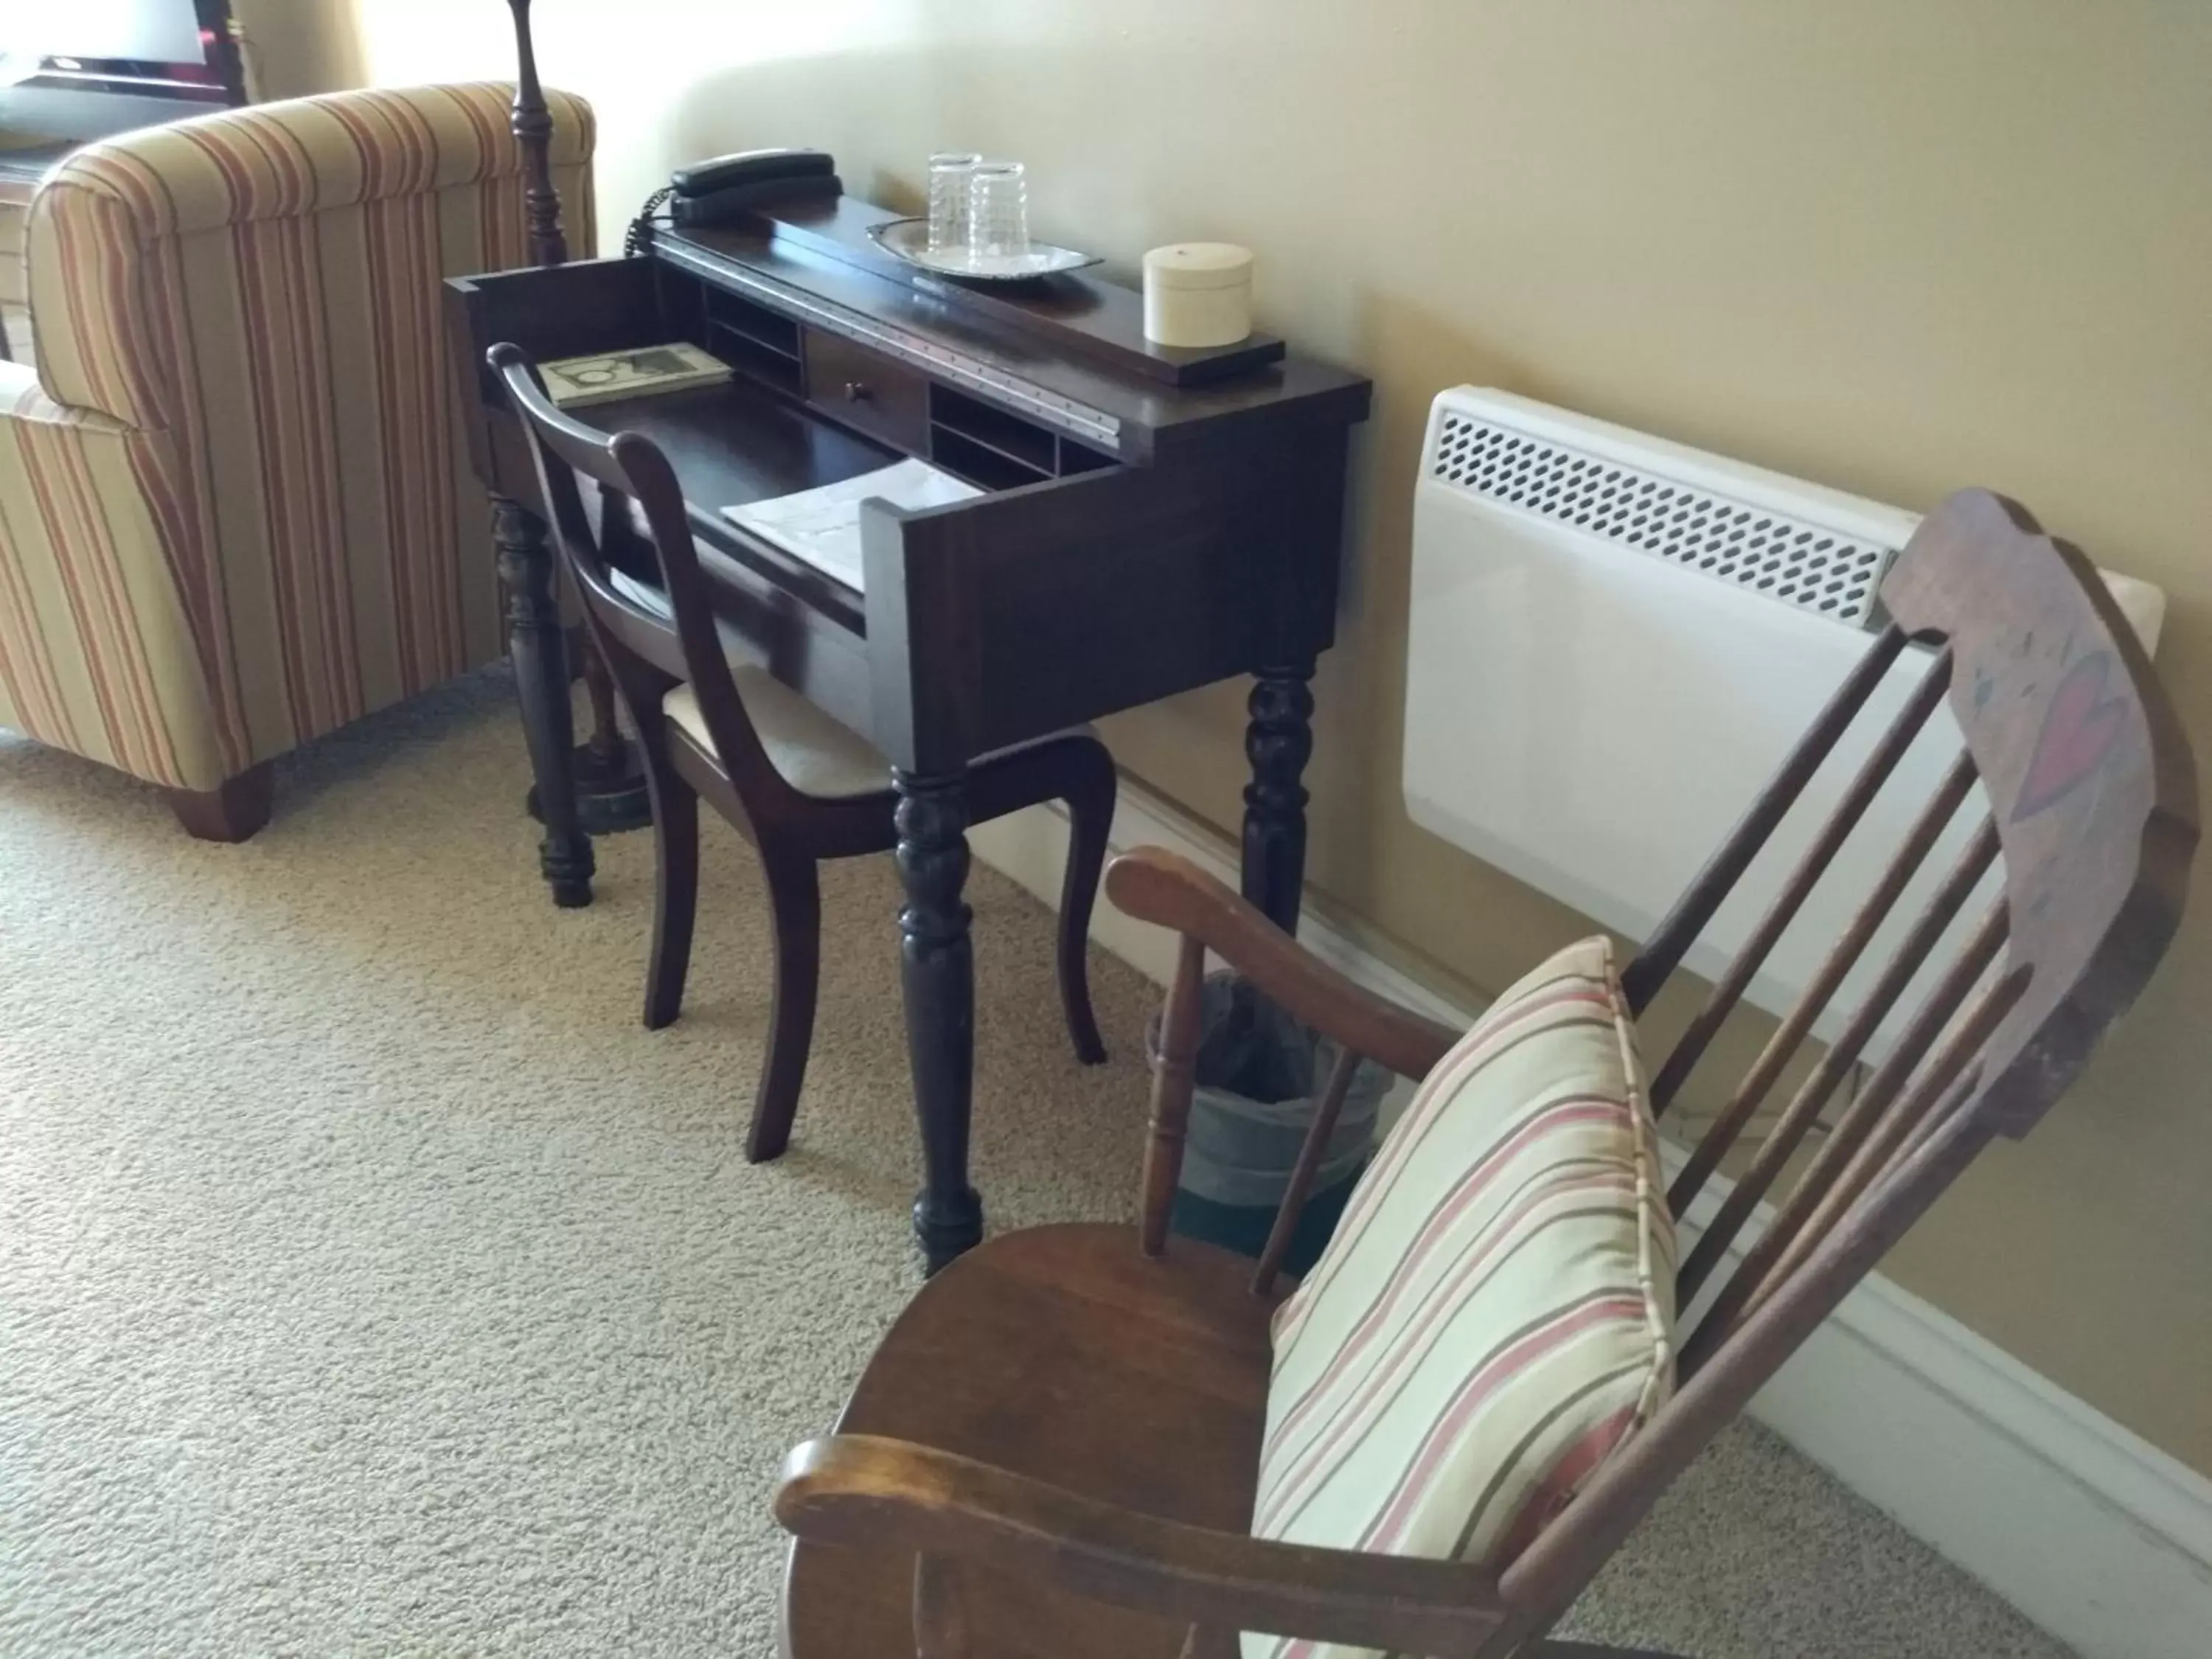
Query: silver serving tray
x=909, y=240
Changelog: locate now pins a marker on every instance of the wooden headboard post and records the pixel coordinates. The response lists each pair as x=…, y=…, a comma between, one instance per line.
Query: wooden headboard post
x=606, y=777
x=534, y=133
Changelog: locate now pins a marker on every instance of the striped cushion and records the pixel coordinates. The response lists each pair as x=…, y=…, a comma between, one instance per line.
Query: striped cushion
x=1495, y=1313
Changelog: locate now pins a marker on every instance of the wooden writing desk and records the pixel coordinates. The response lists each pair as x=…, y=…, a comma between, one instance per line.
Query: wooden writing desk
x=1156, y=521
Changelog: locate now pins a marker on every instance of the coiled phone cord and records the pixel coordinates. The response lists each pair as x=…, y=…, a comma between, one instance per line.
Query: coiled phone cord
x=640, y=234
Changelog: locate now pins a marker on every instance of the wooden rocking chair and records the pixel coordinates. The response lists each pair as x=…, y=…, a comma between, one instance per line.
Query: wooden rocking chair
x=1054, y=1451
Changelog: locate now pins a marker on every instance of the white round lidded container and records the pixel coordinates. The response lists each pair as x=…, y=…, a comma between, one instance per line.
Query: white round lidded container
x=1197, y=294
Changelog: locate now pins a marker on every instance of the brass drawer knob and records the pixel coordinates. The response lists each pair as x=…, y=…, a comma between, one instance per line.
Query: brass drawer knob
x=858, y=391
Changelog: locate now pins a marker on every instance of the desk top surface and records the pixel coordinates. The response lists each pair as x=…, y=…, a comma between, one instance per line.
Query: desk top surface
x=736, y=443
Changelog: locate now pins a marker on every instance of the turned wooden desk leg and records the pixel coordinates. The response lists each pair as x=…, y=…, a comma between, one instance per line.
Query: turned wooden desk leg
x=937, y=973
x=534, y=641
x=1278, y=742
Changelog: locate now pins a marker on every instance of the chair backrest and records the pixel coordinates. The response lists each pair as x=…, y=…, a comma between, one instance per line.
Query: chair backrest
x=646, y=653
x=261, y=289
x=2092, y=818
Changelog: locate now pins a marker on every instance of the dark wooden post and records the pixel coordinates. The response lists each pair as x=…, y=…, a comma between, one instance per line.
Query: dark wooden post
x=535, y=646
x=227, y=38
x=606, y=783
x=533, y=135
x=1277, y=743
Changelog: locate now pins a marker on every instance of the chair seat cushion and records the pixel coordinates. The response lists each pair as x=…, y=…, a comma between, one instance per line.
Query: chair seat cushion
x=1495, y=1314
x=816, y=754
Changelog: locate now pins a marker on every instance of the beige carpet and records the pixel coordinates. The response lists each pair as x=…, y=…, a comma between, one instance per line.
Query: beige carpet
x=371, y=1283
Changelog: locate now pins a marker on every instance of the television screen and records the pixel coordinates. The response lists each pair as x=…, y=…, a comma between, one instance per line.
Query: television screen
x=76, y=70
x=136, y=31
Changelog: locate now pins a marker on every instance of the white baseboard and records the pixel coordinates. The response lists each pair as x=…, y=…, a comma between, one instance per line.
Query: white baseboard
x=2089, y=1530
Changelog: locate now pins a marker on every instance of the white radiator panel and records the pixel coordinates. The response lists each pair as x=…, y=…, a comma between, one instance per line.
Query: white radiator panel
x=1592, y=714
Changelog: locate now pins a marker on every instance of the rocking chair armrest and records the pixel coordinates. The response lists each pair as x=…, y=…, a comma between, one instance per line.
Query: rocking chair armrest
x=862, y=1490
x=1156, y=885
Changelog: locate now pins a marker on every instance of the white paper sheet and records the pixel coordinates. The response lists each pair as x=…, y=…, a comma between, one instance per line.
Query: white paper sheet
x=822, y=525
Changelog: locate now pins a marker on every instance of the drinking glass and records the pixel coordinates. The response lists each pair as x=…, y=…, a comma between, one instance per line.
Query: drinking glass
x=999, y=210
x=948, y=200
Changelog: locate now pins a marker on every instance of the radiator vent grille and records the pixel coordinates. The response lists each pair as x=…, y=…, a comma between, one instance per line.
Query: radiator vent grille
x=1790, y=560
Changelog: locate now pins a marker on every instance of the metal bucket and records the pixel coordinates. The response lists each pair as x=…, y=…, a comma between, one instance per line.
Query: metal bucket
x=1259, y=1073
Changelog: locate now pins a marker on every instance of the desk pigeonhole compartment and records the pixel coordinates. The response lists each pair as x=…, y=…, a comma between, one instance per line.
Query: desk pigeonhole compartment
x=986, y=445
x=999, y=450
x=753, y=340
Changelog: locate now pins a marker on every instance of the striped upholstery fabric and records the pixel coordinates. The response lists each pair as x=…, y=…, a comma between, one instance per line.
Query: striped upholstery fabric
x=1495, y=1313
x=237, y=494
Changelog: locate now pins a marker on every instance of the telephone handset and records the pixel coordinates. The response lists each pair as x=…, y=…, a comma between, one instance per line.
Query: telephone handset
x=711, y=193
x=750, y=167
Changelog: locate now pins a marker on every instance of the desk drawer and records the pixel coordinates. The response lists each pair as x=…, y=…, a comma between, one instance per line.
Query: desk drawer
x=868, y=389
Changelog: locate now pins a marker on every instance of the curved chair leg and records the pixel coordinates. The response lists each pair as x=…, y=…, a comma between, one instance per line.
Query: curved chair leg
x=675, y=892
x=1090, y=817
x=795, y=894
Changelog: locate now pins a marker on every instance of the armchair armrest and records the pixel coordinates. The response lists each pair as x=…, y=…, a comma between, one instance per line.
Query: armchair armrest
x=862, y=1490
x=102, y=658
x=1159, y=886
x=23, y=398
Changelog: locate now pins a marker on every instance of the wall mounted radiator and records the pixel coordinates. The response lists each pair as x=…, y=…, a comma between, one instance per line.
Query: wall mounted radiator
x=1614, y=640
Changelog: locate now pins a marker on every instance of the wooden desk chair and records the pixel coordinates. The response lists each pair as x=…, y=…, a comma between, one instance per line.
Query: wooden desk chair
x=798, y=785
x=1060, y=1447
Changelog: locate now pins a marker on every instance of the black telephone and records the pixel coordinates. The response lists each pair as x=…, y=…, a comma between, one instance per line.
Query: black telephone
x=711, y=193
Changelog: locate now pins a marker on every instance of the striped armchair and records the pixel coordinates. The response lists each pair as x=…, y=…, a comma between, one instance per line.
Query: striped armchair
x=234, y=507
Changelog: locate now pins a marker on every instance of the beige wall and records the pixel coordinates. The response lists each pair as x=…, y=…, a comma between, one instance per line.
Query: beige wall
x=1894, y=247
x=297, y=46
